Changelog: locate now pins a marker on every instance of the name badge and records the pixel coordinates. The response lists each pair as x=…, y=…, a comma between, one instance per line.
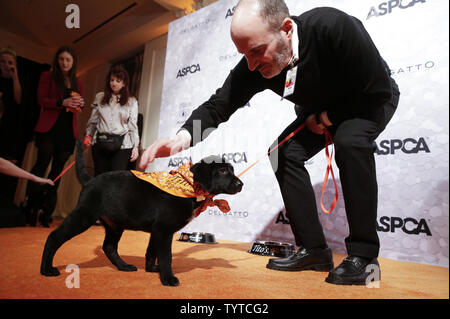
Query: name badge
x=289, y=84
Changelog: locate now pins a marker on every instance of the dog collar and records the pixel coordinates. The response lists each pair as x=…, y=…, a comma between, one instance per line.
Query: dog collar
x=180, y=183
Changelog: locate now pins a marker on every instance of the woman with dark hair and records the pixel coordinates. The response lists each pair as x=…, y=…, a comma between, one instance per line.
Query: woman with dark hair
x=60, y=99
x=112, y=128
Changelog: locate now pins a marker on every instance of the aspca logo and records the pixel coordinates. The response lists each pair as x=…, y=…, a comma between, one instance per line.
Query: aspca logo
x=189, y=69
x=235, y=158
x=408, y=225
x=387, y=7
x=408, y=146
x=230, y=12
x=177, y=161
x=281, y=218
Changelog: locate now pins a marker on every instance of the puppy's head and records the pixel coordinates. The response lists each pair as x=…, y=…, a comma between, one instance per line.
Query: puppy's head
x=216, y=176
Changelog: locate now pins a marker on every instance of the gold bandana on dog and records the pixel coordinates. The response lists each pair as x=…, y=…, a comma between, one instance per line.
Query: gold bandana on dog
x=180, y=183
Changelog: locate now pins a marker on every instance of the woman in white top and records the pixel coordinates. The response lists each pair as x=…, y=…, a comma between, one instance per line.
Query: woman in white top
x=112, y=128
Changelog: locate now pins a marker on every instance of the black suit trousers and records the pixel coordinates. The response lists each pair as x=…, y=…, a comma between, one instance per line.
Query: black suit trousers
x=354, y=148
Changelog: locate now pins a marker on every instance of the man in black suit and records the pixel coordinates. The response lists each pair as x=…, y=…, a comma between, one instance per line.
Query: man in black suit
x=325, y=62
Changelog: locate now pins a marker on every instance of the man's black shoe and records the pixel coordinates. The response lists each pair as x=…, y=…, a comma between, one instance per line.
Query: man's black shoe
x=304, y=259
x=355, y=270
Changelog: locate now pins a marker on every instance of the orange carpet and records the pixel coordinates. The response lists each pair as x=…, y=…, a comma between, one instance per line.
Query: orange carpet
x=218, y=271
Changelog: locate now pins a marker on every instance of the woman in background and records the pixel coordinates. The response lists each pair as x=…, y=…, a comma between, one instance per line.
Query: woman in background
x=11, y=99
x=60, y=99
x=112, y=128
x=11, y=115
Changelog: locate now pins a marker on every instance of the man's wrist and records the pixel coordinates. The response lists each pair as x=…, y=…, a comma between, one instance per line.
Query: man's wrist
x=185, y=137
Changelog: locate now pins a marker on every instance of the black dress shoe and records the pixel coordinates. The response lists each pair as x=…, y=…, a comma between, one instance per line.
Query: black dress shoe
x=304, y=259
x=355, y=270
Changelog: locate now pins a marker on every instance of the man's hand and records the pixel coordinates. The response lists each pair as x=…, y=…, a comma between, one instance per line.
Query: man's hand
x=313, y=126
x=317, y=123
x=164, y=147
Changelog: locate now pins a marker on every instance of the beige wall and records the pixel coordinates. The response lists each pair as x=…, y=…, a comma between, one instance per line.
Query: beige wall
x=151, y=88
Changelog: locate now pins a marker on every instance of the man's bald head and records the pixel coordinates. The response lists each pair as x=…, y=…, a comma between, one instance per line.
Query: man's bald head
x=262, y=31
x=272, y=12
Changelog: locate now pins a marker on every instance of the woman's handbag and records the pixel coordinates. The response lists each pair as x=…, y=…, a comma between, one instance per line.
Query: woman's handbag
x=109, y=142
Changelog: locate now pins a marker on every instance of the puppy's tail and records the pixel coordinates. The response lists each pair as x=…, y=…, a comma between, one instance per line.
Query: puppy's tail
x=82, y=174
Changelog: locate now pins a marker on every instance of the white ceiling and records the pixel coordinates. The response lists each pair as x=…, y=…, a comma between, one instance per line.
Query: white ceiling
x=36, y=28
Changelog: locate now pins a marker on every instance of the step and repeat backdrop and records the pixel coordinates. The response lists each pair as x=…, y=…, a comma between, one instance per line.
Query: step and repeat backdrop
x=412, y=153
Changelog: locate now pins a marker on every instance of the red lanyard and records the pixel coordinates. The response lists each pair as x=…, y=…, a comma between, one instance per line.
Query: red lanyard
x=329, y=141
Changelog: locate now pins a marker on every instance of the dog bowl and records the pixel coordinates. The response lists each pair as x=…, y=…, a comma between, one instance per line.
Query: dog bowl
x=271, y=248
x=202, y=238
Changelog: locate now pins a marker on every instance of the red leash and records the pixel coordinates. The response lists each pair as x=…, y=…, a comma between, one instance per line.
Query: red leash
x=298, y=129
x=66, y=169
x=328, y=141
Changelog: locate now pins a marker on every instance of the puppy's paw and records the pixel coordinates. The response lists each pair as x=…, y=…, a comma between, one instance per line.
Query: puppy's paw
x=50, y=272
x=152, y=268
x=170, y=280
x=127, y=267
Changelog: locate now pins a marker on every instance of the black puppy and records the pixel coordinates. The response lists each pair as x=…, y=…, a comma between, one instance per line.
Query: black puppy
x=122, y=201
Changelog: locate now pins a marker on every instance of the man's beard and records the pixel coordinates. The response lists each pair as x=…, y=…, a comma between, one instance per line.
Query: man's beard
x=281, y=59
x=282, y=56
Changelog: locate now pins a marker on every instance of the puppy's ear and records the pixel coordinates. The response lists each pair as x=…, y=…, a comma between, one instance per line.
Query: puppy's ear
x=195, y=168
x=202, y=174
